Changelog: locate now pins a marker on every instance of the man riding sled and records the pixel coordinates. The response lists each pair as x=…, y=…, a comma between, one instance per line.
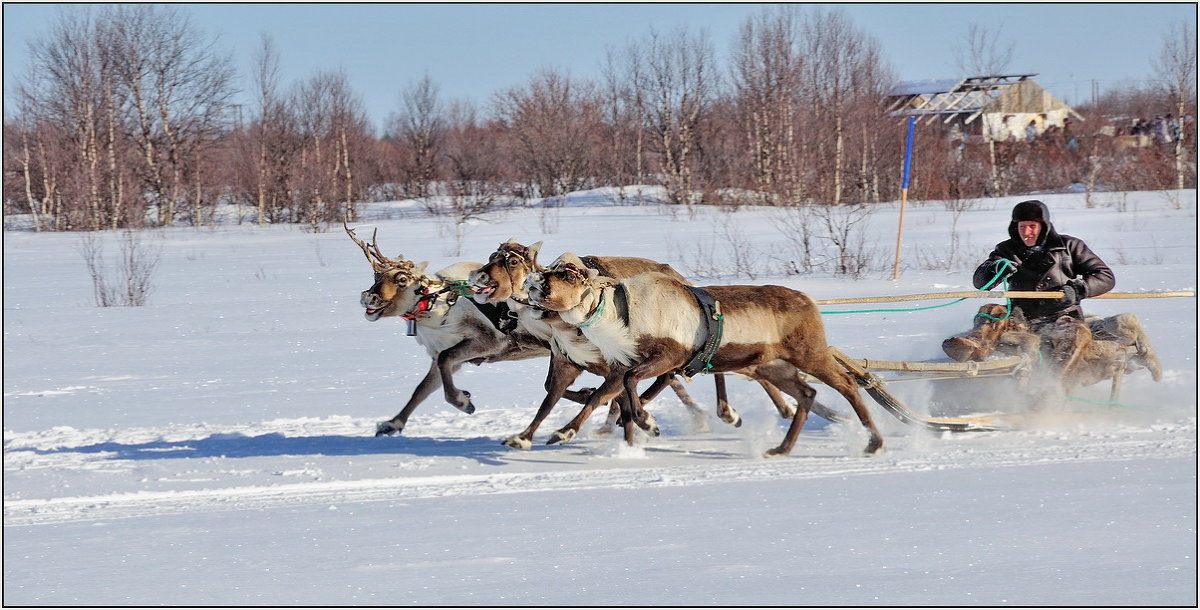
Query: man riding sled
x=1037, y=258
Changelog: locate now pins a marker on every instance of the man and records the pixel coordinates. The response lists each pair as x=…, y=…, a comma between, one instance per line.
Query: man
x=1038, y=258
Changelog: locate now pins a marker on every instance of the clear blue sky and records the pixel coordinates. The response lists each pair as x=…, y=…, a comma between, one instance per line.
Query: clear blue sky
x=475, y=50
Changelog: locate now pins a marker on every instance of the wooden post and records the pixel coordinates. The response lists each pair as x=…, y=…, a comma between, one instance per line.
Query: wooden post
x=908, y=142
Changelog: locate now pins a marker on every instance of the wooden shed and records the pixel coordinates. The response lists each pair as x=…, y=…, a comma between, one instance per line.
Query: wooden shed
x=994, y=108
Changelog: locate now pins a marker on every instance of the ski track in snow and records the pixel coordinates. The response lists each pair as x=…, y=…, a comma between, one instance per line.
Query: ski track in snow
x=821, y=454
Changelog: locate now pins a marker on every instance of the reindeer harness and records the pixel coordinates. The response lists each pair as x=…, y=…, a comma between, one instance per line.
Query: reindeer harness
x=714, y=323
x=498, y=314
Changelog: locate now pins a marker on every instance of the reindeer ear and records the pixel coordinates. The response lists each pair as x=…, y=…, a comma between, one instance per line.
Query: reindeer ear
x=531, y=252
x=419, y=268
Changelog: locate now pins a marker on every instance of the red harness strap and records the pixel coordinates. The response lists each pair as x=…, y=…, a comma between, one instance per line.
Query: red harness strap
x=423, y=305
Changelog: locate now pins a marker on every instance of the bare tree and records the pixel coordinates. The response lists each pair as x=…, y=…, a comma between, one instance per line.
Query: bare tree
x=553, y=122
x=270, y=141
x=333, y=129
x=134, y=270
x=176, y=86
x=677, y=74
x=421, y=129
x=983, y=51
x=474, y=174
x=623, y=142
x=844, y=83
x=1176, y=74
x=767, y=67
x=60, y=101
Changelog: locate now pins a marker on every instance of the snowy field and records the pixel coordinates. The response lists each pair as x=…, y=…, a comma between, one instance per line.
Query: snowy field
x=216, y=446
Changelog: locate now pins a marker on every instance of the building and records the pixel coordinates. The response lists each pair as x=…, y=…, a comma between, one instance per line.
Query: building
x=993, y=108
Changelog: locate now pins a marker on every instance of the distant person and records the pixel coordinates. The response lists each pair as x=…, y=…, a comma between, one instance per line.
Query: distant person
x=1031, y=131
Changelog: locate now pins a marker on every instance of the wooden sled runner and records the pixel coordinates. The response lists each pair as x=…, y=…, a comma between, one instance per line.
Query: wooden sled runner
x=1013, y=366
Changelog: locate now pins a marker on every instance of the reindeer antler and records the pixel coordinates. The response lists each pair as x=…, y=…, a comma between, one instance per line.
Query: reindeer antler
x=374, y=255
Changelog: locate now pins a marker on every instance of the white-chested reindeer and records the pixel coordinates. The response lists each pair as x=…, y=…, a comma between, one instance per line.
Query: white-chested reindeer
x=452, y=330
x=768, y=332
x=503, y=278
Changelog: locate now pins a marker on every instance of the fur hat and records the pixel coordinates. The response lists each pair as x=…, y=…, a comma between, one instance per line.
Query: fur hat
x=1031, y=209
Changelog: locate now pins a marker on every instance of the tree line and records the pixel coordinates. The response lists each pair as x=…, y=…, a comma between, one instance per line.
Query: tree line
x=126, y=120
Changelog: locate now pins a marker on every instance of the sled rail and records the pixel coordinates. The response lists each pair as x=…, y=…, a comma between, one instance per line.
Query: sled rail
x=1002, y=294
x=874, y=386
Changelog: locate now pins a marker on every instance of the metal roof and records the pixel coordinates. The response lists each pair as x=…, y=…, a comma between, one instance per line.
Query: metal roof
x=946, y=96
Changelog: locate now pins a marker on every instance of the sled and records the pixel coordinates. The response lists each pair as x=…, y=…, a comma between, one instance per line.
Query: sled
x=1017, y=367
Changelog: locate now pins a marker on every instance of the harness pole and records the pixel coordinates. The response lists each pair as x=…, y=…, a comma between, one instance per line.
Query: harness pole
x=908, y=144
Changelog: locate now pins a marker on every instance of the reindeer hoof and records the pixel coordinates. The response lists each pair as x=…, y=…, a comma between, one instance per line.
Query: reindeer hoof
x=464, y=403
x=777, y=452
x=605, y=430
x=560, y=437
x=735, y=419
x=650, y=425
x=517, y=442
x=875, y=447
x=387, y=428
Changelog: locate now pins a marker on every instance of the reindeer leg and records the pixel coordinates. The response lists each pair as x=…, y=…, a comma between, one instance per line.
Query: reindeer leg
x=724, y=411
x=699, y=417
x=426, y=387
x=607, y=391
x=630, y=406
x=644, y=419
x=448, y=362
x=562, y=373
x=831, y=374
x=786, y=411
x=632, y=411
x=803, y=393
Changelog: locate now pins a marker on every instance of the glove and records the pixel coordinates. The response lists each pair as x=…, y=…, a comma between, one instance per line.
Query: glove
x=1072, y=291
x=1004, y=268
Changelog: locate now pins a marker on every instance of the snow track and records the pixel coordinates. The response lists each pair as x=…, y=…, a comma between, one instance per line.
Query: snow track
x=599, y=463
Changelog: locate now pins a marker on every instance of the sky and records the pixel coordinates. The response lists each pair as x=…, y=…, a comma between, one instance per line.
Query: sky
x=473, y=51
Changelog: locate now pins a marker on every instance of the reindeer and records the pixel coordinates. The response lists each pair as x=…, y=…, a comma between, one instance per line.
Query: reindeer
x=502, y=279
x=452, y=330
x=771, y=333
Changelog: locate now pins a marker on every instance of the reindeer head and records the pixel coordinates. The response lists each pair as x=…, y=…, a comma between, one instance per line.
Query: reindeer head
x=398, y=282
x=564, y=285
x=504, y=274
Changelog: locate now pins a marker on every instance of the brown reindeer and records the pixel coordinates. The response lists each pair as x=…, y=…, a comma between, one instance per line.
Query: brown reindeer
x=503, y=278
x=769, y=332
x=452, y=330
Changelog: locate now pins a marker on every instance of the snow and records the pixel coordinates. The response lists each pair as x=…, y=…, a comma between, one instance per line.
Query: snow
x=216, y=447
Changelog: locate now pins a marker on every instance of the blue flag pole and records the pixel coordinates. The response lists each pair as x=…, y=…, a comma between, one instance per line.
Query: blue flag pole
x=908, y=146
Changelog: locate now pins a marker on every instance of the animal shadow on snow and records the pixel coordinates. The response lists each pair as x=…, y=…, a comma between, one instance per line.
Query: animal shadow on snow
x=485, y=450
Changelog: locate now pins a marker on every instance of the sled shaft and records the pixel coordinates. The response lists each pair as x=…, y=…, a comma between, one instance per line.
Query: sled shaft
x=1002, y=294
